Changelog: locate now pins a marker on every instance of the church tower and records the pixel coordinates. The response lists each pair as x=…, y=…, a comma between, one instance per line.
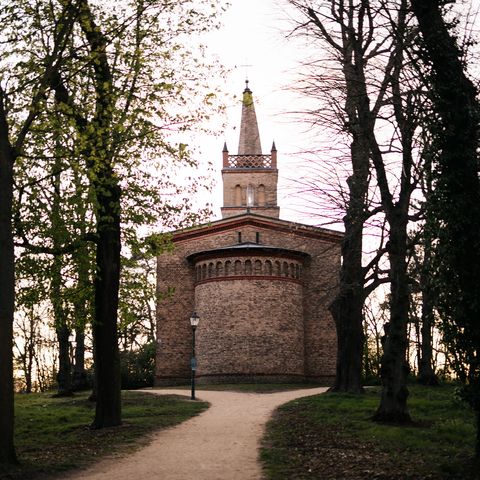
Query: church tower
x=261, y=285
x=249, y=178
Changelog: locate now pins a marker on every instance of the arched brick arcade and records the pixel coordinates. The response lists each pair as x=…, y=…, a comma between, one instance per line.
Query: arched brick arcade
x=251, y=299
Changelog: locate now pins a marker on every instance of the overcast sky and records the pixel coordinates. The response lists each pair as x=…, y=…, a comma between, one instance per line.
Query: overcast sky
x=252, y=43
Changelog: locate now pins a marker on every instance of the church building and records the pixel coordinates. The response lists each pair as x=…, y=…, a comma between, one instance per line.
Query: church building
x=260, y=285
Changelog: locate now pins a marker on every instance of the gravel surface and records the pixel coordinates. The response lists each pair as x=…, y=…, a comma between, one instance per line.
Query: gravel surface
x=220, y=444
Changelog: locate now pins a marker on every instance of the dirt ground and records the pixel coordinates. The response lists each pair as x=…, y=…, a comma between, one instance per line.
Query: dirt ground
x=220, y=444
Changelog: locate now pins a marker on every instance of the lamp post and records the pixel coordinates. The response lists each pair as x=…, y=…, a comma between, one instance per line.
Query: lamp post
x=194, y=319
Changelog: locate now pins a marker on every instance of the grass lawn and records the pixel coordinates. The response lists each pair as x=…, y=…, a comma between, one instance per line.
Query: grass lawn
x=331, y=436
x=53, y=435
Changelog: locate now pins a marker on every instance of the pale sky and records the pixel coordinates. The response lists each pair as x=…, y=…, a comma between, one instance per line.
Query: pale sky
x=253, y=34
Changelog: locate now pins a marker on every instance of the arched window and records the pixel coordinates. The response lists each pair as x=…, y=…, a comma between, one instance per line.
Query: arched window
x=228, y=268
x=238, y=195
x=258, y=267
x=219, y=269
x=268, y=268
x=261, y=195
x=248, y=267
x=285, y=269
x=292, y=270
x=204, y=271
x=250, y=195
x=278, y=268
x=238, y=267
x=210, y=270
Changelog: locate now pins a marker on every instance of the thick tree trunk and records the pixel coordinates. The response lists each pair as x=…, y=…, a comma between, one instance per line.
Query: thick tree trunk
x=394, y=366
x=347, y=307
x=7, y=293
x=104, y=328
x=347, y=311
x=107, y=193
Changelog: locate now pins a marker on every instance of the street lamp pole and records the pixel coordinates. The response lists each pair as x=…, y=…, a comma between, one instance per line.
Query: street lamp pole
x=194, y=319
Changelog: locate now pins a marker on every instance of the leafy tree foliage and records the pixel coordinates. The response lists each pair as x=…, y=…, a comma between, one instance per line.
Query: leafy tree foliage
x=96, y=103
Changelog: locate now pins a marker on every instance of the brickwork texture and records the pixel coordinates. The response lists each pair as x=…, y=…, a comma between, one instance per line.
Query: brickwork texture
x=263, y=314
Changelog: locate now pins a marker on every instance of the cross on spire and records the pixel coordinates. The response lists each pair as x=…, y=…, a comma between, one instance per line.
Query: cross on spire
x=246, y=65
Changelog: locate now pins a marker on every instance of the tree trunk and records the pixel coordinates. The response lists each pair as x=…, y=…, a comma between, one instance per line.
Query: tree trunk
x=81, y=306
x=347, y=307
x=394, y=366
x=107, y=194
x=104, y=328
x=426, y=373
x=79, y=380
x=347, y=312
x=7, y=292
x=64, y=374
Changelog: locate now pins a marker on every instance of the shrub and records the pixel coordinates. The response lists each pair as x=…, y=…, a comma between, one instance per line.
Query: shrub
x=137, y=367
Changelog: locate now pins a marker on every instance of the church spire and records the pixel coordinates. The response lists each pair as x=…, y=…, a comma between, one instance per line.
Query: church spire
x=249, y=143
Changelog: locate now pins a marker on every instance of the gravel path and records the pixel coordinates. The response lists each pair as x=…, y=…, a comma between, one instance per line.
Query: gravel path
x=219, y=444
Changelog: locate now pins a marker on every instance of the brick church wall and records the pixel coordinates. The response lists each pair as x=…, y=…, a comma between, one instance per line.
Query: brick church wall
x=280, y=326
x=251, y=327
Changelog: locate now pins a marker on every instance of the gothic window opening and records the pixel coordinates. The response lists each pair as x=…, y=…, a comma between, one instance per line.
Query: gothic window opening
x=250, y=195
x=261, y=195
x=238, y=195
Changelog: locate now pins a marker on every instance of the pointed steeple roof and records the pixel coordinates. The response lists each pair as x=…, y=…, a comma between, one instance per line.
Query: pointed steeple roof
x=249, y=143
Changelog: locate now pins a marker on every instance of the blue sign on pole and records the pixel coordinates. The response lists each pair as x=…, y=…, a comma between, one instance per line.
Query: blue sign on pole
x=193, y=363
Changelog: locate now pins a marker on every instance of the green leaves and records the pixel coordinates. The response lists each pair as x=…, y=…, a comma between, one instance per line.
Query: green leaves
x=127, y=88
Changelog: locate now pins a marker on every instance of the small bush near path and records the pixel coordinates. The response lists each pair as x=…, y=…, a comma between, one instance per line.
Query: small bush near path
x=331, y=436
x=53, y=435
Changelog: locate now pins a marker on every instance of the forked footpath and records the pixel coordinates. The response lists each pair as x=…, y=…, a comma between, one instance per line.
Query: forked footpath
x=222, y=443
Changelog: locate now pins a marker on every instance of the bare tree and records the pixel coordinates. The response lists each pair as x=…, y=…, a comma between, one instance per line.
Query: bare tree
x=377, y=105
x=344, y=31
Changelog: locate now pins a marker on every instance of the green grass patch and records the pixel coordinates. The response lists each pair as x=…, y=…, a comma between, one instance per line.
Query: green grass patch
x=52, y=435
x=246, y=387
x=332, y=436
